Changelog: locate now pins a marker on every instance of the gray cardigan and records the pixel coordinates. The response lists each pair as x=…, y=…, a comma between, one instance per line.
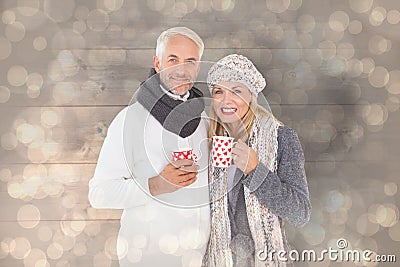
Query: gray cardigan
x=285, y=192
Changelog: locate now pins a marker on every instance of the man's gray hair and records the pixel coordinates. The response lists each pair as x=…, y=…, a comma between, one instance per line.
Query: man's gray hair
x=165, y=35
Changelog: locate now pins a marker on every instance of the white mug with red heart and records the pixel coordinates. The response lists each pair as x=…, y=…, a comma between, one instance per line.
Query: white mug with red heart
x=184, y=154
x=221, y=152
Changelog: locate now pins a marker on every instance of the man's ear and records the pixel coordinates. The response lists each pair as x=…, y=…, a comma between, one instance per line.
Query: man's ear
x=157, y=64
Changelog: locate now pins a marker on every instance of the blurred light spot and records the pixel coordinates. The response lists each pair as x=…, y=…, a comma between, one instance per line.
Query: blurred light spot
x=295, y=4
x=378, y=45
x=110, y=248
x=59, y=13
x=375, y=114
x=28, y=216
x=5, y=48
x=33, y=93
x=393, y=85
x=306, y=23
x=361, y=6
x=67, y=242
x=79, y=27
x=368, y=65
x=134, y=255
x=68, y=63
x=92, y=229
x=20, y=248
x=40, y=43
x=305, y=39
x=4, y=94
x=168, y=244
x=157, y=5
x=139, y=241
x=202, y=6
x=55, y=71
x=100, y=259
x=34, y=83
x=15, y=32
x=69, y=201
x=113, y=5
x=80, y=249
x=17, y=75
x=393, y=16
x=379, y=77
x=355, y=27
x=335, y=66
x=346, y=50
x=298, y=96
x=390, y=189
x=67, y=39
x=339, y=217
x=81, y=12
x=192, y=258
x=36, y=258
x=313, y=56
x=44, y=233
x=278, y=6
x=339, y=21
x=28, y=7
x=8, y=17
x=222, y=5
x=14, y=189
x=394, y=232
x=377, y=16
x=5, y=175
x=55, y=251
x=392, y=103
x=354, y=67
x=386, y=215
x=333, y=201
x=26, y=133
x=328, y=49
x=313, y=233
x=97, y=20
x=49, y=118
x=65, y=92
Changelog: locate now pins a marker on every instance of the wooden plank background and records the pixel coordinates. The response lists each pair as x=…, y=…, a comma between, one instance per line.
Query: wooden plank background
x=333, y=75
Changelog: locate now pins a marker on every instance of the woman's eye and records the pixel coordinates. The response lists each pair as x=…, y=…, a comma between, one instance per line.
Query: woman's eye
x=237, y=92
x=216, y=92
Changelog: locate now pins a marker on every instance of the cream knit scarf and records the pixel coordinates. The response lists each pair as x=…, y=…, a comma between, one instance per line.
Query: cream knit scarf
x=264, y=225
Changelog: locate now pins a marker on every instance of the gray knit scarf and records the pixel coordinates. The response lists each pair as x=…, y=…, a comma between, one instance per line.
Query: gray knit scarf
x=264, y=225
x=177, y=116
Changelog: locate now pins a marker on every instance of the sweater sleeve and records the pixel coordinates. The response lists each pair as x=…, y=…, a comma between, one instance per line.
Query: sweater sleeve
x=113, y=185
x=285, y=192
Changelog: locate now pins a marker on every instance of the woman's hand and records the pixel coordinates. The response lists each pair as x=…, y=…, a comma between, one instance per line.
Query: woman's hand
x=244, y=157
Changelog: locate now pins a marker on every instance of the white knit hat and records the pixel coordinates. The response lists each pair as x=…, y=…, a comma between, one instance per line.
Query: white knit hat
x=236, y=68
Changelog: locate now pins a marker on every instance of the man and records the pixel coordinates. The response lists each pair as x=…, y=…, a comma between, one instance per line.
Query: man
x=165, y=221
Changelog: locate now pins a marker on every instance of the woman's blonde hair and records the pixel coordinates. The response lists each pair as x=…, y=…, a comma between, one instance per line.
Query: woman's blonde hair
x=218, y=128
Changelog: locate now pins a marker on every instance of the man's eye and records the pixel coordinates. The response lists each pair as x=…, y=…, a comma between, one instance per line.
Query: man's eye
x=216, y=92
x=237, y=92
x=172, y=60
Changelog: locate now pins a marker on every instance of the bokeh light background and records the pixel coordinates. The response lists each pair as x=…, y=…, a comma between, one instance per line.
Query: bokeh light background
x=67, y=68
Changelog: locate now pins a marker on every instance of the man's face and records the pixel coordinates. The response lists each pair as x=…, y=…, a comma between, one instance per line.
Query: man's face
x=179, y=65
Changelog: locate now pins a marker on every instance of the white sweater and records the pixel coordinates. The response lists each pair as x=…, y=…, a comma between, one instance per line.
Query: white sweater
x=166, y=230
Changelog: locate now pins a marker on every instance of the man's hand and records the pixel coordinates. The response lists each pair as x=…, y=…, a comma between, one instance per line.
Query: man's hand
x=175, y=175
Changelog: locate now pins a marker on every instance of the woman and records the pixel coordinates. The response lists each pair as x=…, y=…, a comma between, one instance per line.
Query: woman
x=266, y=184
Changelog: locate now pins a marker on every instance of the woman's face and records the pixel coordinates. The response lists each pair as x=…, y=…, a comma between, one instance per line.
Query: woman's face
x=231, y=102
